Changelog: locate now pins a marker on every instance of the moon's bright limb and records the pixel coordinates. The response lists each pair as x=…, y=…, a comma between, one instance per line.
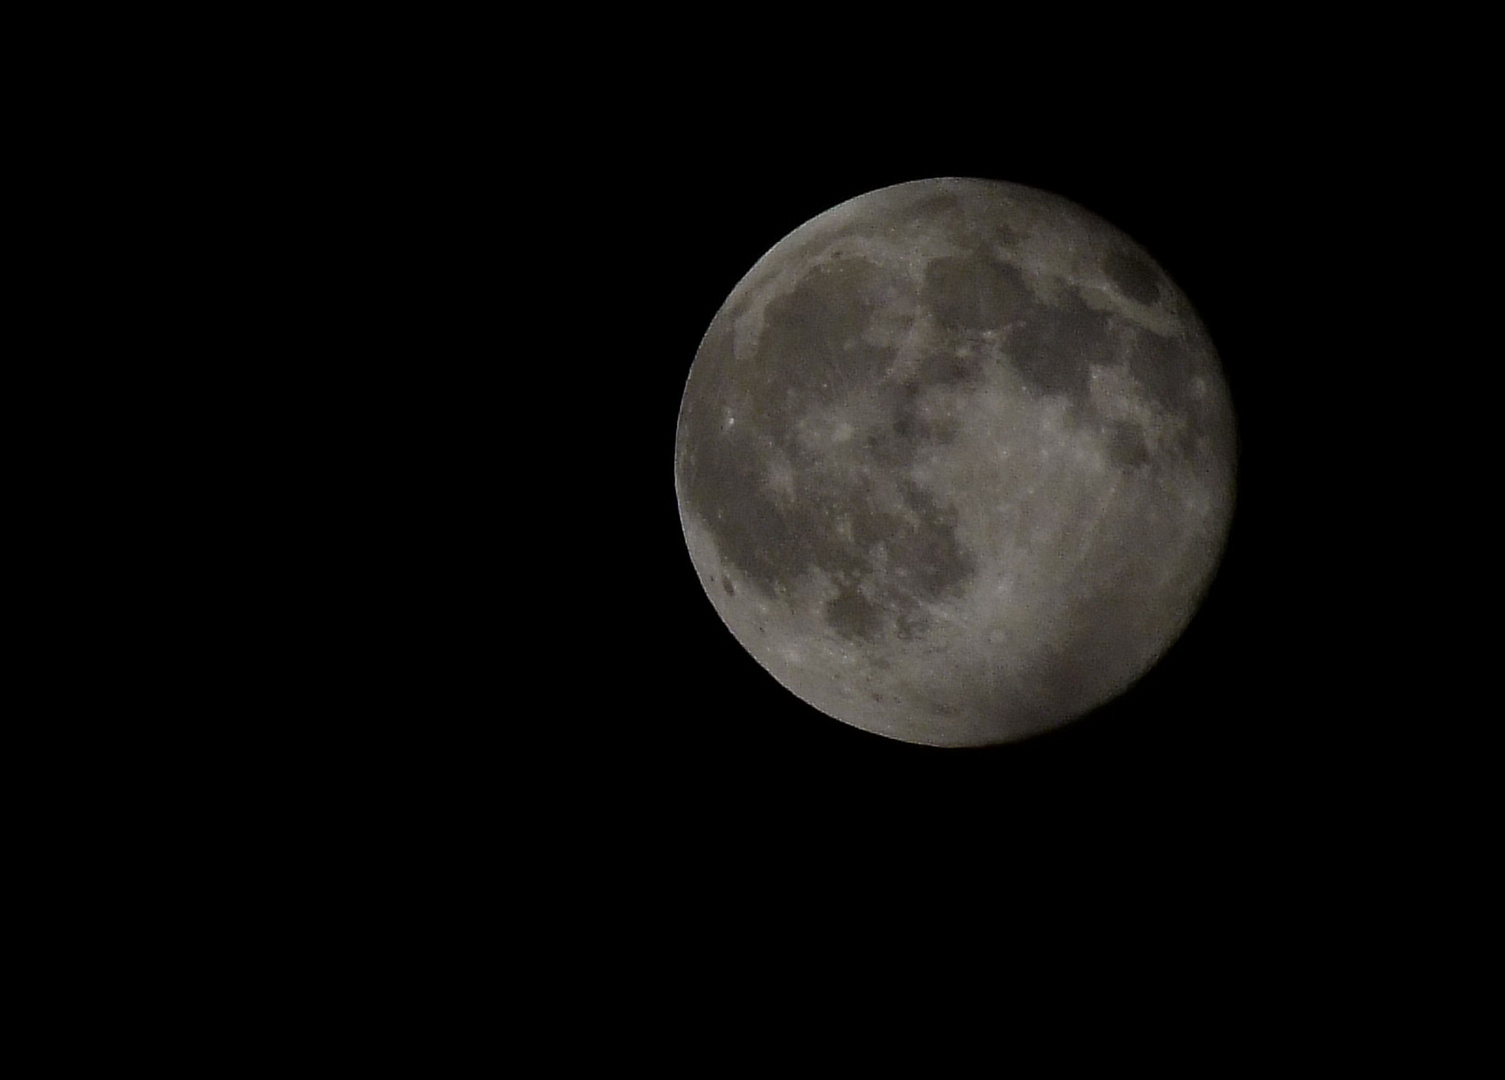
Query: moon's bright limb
x=955, y=462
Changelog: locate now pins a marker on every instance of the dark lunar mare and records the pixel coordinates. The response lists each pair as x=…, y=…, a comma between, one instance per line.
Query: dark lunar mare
x=817, y=349
x=811, y=353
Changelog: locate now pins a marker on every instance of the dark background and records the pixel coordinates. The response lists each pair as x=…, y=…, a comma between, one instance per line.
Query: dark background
x=487, y=715
x=474, y=708
x=637, y=735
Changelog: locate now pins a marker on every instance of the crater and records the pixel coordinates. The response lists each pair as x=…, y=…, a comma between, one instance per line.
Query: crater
x=911, y=624
x=942, y=208
x=1126, y=445
x=933, y=557
x=812, y=347
x=949, y=365
x=1054, y=347
x=1164, y=367
x=915, y=424
x=854, y=616
x=1135, y=276
x=973, y=294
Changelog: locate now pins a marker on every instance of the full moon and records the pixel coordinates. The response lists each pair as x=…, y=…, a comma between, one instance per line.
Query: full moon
x=955, y=462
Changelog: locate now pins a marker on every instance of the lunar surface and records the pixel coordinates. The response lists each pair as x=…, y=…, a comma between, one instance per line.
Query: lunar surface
x=955, y=462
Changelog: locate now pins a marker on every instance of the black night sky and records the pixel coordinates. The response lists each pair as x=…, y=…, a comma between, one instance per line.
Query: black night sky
x=660, y=735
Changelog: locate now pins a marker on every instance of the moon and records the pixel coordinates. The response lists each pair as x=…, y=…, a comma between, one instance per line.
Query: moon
x=955, y=462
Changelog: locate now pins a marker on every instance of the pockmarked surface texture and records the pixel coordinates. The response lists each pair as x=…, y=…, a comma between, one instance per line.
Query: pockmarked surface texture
x=955, y=462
